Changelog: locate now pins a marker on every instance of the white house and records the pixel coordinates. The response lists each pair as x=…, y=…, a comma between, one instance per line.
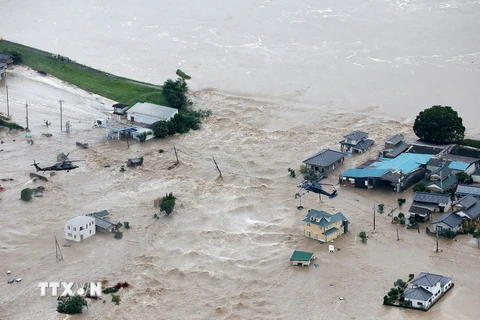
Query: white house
x=79, y=228
x=476, y=176
x=148, y=113
x=426, y=289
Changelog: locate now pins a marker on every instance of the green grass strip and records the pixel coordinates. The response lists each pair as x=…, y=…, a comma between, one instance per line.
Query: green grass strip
x=99, y=82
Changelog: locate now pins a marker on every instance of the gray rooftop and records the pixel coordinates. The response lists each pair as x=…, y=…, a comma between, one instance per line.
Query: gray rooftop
x=464, y=190
x=153, y=110
x=434, y=198
x=426, y=279
x=326, y=219
x=356, y=135
x=455, y=157
x=399, y=148
x=104, y=224
x=418, y=294
x=325, y=158
x=395, y=139
x=419, y=210
x=438, y=162
x=99, y=214
x=450, y=219
x=471, y=206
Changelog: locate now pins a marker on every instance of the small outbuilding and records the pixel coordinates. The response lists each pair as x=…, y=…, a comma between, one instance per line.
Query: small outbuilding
x=79, y=228
x=134, y=162
x=120, y=108
x=148, y=113
x=301, y=258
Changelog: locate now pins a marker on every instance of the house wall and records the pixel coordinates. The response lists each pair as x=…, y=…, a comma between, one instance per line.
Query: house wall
x=415, y=303
x=331, y=167
x=144, y=118
x=445, y=227
x=74, y=232
x=314, y=231
x=476, y=178
x=303, y=263
x=471, y=169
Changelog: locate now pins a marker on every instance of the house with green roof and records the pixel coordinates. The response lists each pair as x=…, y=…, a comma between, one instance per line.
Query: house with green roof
x=301, y=258
x=323, y=226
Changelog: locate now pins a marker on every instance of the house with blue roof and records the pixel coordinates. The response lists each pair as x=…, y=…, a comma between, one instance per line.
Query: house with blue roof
x=323, y=226
x=400, y=173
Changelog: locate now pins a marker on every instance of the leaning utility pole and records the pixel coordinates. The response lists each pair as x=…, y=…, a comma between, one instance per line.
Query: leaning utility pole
x=176, y=154
x=436, y=250
x=26, y=111
x=61, y=124
x=217, y=167
x=8, y=106
x=58, y=252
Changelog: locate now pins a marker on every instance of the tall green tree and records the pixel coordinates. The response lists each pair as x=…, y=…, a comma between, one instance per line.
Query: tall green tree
x=175, y=93
x=439, y=124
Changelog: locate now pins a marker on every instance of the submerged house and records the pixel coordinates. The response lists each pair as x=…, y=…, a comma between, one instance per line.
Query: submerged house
x=79, y=228
x=420, y=214
x=435, y=202
x=356, y=142
x=323, y=226
x=325, y=161
x=469, y=208
x=394, y=145
x=6, y=59
x=426, y=289
x=448, y=222
x=101, y=224
x=399, y=173
x=148, y=113
x=120, y=109
x=301, y=258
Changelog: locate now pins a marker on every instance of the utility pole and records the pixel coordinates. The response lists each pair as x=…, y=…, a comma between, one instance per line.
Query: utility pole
x=398, y=238
x=374, y=217
x=436, y=250
x=8, y=106
x=176, y=154
x=61, y=121
x=216, y=165
x=58, y=252
x=26, y=111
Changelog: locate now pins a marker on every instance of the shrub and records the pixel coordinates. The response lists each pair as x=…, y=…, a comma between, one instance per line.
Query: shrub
x=470, y=143
x=363, y=236
x=411, y=276
x=401, y=201
x=118, y=235
x=116, y=299
x=155, y=216
x=420, y=187
x=126, y=224
x=71, y=304
x=402, y=220
x=122, y=169
x=167, y=206
x=400, y=284
x=462, y=177
x=311, y=176
x=448, y=234
x=380, y=208
x=303, y=169
x=11, y=125
x=387, y=301
x=26, y=194
x=16, y=56
x=292, y=172
x=161, y=151
x=401, y=215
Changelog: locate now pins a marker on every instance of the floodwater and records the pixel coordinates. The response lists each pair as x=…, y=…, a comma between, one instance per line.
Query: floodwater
x=400, y=55
x=224, y=252
x=284, y=79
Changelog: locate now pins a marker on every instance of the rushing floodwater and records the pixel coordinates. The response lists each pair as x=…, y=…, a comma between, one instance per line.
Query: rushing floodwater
x=402, y=55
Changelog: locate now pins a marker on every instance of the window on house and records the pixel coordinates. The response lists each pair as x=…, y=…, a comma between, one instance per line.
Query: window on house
x=90, y=231
x=307, y=233
x=68, y=227
x=69, y=235
x=74, y=229
x=419, y=304
x=74, y=237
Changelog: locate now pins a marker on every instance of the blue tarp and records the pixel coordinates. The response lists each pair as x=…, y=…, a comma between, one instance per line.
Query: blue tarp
x=458, y=165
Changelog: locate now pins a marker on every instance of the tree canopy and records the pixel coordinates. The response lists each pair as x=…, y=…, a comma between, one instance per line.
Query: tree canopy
x=175, y=93
x=439, y=124
x=71, y=304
